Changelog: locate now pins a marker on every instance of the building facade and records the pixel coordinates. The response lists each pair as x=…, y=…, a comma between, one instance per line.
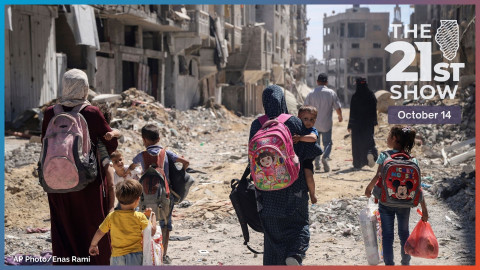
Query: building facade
x=180, y=54
x=314, y=67
x=354, y=44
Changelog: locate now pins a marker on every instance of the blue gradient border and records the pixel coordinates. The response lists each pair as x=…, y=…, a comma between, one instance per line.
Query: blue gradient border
x=219, y=2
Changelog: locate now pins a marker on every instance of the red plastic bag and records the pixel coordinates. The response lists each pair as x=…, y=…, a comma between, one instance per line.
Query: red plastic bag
x=422, y=241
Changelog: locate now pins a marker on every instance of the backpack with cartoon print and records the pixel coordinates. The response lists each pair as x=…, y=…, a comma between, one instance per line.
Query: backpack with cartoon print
x=400, y=183
x=273, y=161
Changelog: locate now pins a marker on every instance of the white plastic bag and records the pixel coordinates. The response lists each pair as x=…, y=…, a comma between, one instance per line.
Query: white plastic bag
x=152, y=245
x=368, y=224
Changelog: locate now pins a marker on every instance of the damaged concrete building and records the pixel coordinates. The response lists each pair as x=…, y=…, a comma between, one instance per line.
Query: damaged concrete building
x=354, y=43
x=398, y=35
x=314, y=67
x=182, y=55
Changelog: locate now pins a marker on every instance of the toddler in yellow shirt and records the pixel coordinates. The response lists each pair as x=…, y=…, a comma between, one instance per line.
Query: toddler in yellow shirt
x=125, y=225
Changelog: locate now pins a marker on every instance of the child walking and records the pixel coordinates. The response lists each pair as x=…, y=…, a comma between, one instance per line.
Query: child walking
x=400, y=139
x=151, y=138
x=125, y=226
x=308, y=115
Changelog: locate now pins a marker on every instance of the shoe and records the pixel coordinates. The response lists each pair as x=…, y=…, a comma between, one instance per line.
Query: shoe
x=325, y=165
x=371, y=161
x=167, y=260
x=291, y=261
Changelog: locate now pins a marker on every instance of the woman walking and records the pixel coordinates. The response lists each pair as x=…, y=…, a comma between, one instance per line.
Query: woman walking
x=363, y=119
x=284, y=213
x=75, y=216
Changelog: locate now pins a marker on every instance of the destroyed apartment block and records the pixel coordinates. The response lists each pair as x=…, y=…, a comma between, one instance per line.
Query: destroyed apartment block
x=182, y=55
x=353, y=47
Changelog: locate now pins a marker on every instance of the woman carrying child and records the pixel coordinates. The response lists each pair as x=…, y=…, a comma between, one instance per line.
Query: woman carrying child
x=400, y=139
x=284, y=213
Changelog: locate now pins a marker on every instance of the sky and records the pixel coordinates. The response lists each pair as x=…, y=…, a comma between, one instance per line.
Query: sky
x=315, y=26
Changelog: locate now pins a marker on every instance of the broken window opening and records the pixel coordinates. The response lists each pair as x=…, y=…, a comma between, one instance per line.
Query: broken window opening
x=356, y=65
x=375, y=64
x=101, y=29
x=153, y=66
x=356, y=30
x=129, y=71
x=65, y=43
x=182, y=65
x=129, y=36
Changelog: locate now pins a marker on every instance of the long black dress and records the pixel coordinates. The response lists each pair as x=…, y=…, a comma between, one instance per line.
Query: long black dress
x=284, y=213
x=363, y=119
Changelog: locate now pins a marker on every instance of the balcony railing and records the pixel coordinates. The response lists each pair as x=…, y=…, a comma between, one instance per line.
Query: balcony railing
x=199, y=23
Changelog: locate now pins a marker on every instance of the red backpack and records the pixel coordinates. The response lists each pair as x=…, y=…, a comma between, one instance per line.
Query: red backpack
x=400, y=182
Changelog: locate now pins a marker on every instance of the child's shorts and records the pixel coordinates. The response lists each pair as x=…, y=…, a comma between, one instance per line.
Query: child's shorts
x=135, y=258
x=308, y=164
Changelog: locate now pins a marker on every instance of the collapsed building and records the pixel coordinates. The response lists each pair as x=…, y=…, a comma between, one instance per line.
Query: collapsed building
x=182, y=55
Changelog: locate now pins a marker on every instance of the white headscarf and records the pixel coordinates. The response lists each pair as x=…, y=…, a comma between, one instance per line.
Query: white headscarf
x=75, y=88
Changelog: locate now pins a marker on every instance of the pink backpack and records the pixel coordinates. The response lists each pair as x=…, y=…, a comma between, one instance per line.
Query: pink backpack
x=273, y=161
x=68, y=160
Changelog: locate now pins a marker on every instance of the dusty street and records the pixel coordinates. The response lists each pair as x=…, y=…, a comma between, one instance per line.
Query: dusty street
x=217, y=148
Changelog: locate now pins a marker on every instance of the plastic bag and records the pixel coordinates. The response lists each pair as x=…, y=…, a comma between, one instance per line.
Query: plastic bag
x=422, y=241
x=368, y=224
x=152, y=245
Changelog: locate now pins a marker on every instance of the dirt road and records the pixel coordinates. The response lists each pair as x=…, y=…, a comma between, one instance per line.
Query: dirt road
x=210, y=222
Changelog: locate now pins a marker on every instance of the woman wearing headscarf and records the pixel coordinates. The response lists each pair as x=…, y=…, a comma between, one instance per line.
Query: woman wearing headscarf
x=75, y=216
x=363, y=119
x=284, y=213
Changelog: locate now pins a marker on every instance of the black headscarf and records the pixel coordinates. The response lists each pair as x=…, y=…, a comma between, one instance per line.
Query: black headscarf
x=363, y=107
x=287, y=201
x=274, y=101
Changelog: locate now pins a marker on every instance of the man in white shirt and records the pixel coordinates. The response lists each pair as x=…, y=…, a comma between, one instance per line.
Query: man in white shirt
x=325, y=100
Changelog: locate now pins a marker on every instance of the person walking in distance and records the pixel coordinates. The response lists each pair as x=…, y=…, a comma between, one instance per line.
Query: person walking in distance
x=325, y=100
x=361, y=124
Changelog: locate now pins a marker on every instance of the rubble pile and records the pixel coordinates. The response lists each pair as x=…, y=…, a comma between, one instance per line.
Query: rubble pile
x=136, y=109
x=453, y=182
x=25, y=155
x=130, y=112
x=459, y=193
x=439, y=135
x=338, y=217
